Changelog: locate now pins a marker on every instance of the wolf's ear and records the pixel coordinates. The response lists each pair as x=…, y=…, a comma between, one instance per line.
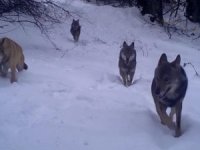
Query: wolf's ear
x=125, y=44
x=177, y=61
x=132, y=45
x=163, y=59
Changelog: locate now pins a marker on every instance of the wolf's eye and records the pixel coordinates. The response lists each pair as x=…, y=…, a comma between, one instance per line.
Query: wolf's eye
x=166, y=79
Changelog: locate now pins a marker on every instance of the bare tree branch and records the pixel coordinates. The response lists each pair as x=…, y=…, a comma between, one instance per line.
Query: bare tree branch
x=42, y=14
x=189, y=63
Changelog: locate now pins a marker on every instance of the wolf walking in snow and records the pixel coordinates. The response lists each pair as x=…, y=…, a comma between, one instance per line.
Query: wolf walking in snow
x=75, y=30
x=127, y=63
x=168, y=90
x=11, y=56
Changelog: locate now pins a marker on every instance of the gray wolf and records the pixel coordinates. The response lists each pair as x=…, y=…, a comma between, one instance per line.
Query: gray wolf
x=75, y=30
x=127, y=63
x=11, y=56
x=168, y=89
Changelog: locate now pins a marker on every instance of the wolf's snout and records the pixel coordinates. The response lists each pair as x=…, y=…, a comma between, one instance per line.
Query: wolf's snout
x=127, y=61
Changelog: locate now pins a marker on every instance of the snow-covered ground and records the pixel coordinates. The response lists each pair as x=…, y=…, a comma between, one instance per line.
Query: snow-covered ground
x=73, y=99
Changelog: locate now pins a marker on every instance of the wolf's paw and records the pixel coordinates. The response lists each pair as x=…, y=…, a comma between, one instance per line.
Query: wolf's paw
x=177, y=133
x=129, y=83
x=162, y=122
x=12, y=80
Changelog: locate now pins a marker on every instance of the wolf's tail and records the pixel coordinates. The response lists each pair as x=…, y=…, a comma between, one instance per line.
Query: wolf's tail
x=25, y=66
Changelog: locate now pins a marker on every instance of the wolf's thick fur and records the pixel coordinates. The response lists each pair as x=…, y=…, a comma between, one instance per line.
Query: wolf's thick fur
x=75, y=30
x=12, y=57
x=127, y=63
x=168, y=90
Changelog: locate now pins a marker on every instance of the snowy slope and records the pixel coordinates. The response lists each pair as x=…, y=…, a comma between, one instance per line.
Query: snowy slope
x=73, y=99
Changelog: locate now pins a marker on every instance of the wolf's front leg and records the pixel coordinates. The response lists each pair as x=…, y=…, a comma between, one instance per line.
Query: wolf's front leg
x=165, y=119
x=13, y=74
x=131, y=75
x=4, y=69
x=178, y=120
x=124, y=77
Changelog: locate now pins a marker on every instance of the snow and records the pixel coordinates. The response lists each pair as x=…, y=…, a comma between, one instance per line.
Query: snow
x=73, y=98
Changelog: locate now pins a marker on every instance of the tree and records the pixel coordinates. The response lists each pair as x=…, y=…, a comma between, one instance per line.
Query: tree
x=153, y=7
x=42, y=13
x=193, y=10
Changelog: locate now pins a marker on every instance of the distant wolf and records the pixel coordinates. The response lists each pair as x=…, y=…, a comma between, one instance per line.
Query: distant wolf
x=11, y=56
x=75, y=30
x=168, y=89
x=127, y=63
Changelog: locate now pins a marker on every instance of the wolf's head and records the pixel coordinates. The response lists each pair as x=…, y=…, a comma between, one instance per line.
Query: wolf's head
x=167, y=76
x=75, y=24
x=128, y=53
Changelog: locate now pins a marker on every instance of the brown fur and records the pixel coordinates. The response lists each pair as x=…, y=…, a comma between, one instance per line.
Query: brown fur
x=13, y=58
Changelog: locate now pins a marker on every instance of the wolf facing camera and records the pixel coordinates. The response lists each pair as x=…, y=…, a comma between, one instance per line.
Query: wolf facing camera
x=75, y=30
x=168, y=89
x=11, y=57
x=127, y=63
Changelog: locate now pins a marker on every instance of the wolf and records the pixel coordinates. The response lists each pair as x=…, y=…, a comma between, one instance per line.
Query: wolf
x=75, y=30
x=168, y=89
x=127, y=63
x=11, y=57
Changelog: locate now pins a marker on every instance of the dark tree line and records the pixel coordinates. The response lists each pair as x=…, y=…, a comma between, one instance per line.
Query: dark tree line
x=157, y=7
x=193, y=10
